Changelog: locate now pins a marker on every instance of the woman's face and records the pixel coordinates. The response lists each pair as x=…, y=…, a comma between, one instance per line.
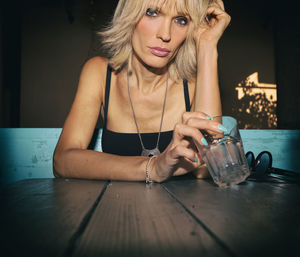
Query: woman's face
x=158, y=36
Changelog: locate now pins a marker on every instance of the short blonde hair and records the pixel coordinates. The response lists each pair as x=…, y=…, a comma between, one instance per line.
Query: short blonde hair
x=116, y=38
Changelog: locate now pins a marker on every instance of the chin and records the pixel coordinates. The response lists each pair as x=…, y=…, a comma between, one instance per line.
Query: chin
x=157, y=62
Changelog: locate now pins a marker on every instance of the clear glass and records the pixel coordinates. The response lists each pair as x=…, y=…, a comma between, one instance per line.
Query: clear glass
x=225, y=156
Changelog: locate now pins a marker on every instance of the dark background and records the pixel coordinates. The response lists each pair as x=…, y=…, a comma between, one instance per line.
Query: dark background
x=44, y=44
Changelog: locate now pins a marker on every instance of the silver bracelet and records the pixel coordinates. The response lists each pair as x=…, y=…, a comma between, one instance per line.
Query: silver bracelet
x=148, y=179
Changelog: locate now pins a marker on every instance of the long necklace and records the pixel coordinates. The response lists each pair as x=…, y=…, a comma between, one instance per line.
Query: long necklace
x=155, y=151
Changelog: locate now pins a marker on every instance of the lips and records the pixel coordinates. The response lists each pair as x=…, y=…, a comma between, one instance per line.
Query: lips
x=158, y=51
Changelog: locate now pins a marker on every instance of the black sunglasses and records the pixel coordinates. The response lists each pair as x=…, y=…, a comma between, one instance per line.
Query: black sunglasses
x=261, y=165
x=261, y=169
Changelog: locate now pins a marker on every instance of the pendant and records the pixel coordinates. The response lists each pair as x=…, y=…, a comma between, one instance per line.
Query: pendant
x=151, y=152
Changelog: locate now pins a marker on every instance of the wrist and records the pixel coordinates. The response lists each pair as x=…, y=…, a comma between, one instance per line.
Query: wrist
x=206, y=50
x=148, y=174
x=156, y=170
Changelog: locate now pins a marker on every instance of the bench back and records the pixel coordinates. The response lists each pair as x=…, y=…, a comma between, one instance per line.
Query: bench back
x=27, y=152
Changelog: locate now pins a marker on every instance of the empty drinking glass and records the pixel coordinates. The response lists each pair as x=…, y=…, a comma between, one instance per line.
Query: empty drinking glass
x=224, y=156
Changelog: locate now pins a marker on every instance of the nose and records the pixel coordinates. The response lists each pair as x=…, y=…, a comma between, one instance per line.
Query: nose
x=164, y=30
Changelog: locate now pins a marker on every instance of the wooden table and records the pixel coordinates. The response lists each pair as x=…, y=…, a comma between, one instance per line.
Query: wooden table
x=181, y=217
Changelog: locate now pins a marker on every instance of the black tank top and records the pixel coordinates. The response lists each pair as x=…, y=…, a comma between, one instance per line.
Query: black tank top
x=128, y=144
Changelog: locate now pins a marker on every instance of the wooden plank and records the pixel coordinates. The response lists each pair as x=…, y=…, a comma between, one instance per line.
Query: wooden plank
x=134, y=220
x=253, y=218
x=39, y=216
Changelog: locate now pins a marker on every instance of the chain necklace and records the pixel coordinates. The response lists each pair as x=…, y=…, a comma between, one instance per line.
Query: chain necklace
x=155, y=151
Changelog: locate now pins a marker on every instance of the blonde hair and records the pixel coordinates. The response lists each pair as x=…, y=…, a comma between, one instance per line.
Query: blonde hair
x=116, y=38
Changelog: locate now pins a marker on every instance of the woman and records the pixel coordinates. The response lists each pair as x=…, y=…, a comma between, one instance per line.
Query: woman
x=156, y=91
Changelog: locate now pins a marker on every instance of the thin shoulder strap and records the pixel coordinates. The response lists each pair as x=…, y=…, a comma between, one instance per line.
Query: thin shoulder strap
x=107, y=90
x=186, y=95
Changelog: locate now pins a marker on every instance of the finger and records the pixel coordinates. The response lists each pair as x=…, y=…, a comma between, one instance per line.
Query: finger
x=217, y=15
x=214, y=10
x=185, y=143
x=217, y=118
x=209, y=125
x=212, y=21
x=200, y=115
x=187, y=153
x=182, y=130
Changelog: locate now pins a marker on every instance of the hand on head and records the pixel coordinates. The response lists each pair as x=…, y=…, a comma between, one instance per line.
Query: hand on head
x=216, y=22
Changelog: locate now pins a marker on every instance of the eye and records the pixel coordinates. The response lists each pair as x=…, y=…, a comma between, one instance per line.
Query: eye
x=151, y=12
x=181, y=21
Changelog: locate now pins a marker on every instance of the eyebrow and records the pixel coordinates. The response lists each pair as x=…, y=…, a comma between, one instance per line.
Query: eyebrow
x=157, y=9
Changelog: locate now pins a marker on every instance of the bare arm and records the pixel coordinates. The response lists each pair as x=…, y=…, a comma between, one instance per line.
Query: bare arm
x=82, y=163
x=71, y=157
x=207, y=94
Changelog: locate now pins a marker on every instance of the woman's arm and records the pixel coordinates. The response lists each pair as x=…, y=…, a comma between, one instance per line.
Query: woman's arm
x=89, y=164
x=71, y=157
x=207, y=94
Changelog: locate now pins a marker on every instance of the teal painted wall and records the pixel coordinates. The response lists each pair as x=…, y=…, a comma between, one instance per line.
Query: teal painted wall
x=27, y=152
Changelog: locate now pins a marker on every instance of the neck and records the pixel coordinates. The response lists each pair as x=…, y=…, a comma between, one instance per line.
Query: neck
x=146, y=78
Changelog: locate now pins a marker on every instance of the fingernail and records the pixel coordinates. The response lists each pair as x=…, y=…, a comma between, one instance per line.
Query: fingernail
x=203, y=141
x=209, y=118
x=196, y=159
x=222, y=128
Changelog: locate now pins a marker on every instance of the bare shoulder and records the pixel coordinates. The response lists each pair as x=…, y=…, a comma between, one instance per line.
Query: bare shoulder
x=95, y=66
x=93, y=76
x=97, y=61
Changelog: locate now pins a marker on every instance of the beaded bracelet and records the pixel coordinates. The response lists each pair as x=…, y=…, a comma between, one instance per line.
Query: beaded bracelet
x=148, y=179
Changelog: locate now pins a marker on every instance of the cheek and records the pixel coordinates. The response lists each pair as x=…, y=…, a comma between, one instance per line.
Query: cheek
x=180, y=36
x=144, y=30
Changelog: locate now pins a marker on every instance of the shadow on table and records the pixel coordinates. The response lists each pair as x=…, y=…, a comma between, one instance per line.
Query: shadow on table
x=270, y=179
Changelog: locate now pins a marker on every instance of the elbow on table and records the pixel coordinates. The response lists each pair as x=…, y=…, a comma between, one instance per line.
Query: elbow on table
x=58, y=166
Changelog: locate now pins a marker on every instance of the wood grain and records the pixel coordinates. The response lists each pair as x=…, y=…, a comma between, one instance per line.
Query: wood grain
x=135, y=220
x=39, y=217
x=253, y=218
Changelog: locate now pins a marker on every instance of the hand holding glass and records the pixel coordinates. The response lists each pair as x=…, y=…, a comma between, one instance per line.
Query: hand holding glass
x=224, y=156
